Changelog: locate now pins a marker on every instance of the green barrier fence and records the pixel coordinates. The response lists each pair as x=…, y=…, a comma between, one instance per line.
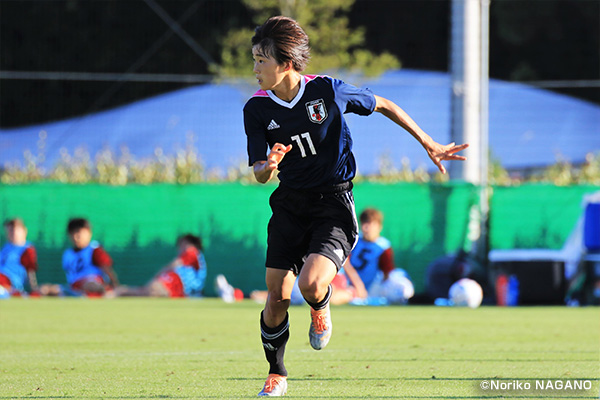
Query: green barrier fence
x=535, y=216
x=138, y=225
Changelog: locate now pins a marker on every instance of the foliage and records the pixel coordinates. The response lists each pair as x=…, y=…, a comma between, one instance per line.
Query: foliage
x=186, y=166
x=334, y=45
x=389, y=173
x=564, y=173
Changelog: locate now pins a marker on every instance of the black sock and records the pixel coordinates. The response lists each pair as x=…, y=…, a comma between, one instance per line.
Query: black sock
x=274, y=340
x=323, y=303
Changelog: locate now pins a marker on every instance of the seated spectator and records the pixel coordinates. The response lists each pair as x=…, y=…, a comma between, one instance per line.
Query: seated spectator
x=88, y=267
x=184, y=276
x=18, y=260
x=370, y=270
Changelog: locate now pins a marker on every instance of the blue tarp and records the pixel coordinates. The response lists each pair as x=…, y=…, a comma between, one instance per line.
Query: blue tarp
x=529, y=127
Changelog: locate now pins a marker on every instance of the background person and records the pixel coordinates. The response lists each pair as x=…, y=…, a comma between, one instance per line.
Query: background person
x=88, y=267
x=184, y=276
x=370, y=269
x=18, y=259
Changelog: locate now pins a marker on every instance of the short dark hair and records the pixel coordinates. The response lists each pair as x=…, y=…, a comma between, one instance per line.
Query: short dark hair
x=371, y=214
x=283, y=39
x=12, y=222
x=191, y=239
x=76, y=224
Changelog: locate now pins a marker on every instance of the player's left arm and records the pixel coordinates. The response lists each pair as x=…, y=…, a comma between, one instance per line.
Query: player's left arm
x=103, y=260
x=29, y=261
x=33, y=283
x=112, y=275
x=386, y=263
x=436, y=151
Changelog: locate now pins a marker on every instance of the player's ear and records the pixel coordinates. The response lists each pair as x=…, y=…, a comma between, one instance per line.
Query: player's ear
x=287, y=66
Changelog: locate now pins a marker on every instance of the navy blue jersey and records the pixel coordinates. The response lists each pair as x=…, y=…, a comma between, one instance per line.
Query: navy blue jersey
x=313, y=124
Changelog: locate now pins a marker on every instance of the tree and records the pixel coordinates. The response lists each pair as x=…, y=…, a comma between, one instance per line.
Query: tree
x=334, y=46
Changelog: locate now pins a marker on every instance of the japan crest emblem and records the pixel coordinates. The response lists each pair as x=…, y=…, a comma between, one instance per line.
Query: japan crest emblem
x=317, y=112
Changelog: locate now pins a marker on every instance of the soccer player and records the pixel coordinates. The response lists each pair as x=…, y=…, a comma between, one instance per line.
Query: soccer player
x=18, y=259
x=88, y=267
x=370, y=267
x=313, y=226
x=184, y=276
x=372, y=253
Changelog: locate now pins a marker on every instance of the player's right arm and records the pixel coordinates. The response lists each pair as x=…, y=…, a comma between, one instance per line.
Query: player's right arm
x=354, y=278
x=265, y=170
x=436, y=151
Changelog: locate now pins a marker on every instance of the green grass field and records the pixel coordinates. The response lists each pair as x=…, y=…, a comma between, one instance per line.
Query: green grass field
x=206, y=349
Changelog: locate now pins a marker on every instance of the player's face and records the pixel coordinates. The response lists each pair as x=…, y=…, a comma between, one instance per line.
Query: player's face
x=16, y=234
x=183, y=245
x=371, y=230
x=268, y=73
x=81, y=238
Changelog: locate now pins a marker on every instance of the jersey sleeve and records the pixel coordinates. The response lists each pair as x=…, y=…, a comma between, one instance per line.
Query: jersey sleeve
x=29, y=259
x=255, y=132
x=351, y=99
x=386, y=261
x=101, y=258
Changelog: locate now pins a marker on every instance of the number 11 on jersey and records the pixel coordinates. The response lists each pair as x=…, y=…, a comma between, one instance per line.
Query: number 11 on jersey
x=305, y=135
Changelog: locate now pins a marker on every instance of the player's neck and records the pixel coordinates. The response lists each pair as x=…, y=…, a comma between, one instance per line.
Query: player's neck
x=371, y=239
x=289, y=87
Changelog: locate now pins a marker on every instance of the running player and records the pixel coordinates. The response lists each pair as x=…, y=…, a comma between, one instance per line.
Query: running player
x=313, y=226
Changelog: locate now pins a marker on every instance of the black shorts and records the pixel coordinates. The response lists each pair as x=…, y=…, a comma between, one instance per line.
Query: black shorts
x=311, y=222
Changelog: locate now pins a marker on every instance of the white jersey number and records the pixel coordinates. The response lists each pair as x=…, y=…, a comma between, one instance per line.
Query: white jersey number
x=306, y=135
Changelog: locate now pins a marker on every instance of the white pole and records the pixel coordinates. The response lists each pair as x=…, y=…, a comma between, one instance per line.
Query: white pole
x=466, y=90
x=470, y=108
x=484, y=121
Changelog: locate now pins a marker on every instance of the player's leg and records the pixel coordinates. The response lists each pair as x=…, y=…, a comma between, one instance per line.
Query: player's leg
x=314, y=282
x=274, y=328
x=49, y=289
x=156, y=288
x=167, y=284
x=93, y=288
x=315, y=278
x=342, y=292
x=334, y=233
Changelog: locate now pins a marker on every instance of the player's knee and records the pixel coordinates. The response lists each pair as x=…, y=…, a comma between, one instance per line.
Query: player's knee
x=157, y=289
x=93, y=287
x=275, y=308
x=275, y=296
x=313, y=289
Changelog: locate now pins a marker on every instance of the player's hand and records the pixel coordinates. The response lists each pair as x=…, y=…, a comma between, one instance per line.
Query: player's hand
x=438, y=153
x=276, y=155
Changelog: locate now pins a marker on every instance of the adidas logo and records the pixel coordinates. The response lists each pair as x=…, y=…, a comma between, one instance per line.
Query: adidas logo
x=339, y=253
x=269, y=347
x=273, y=125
